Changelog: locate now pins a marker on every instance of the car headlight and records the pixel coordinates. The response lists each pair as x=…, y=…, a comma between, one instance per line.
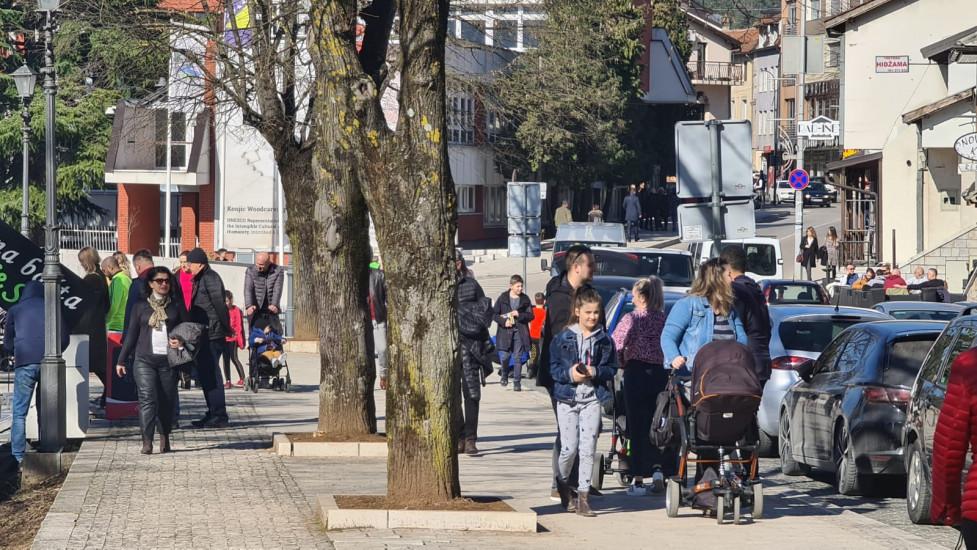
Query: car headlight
x=807, y=196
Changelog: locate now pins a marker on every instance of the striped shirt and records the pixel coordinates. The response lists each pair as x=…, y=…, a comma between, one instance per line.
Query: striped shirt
x=723, y=329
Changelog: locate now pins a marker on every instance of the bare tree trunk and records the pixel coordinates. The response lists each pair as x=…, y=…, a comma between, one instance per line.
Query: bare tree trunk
x=328, y=230
x=407, y=183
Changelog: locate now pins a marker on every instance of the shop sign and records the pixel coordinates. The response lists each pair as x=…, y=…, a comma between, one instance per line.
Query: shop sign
x=966, y=146
x=891, y=64
x=849, y=153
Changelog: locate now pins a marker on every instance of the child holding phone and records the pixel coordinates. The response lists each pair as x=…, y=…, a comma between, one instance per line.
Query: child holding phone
x=582, y=363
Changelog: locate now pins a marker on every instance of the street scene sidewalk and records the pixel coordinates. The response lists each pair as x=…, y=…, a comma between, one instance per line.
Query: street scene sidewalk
x=226, y=489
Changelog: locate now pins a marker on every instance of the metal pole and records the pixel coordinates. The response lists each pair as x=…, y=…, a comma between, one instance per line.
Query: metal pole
x=525, y=232
x=25, y=128
x=799, y=111
x=715, y=149
x=169, y=175
x=51, y=399
x=281, y=213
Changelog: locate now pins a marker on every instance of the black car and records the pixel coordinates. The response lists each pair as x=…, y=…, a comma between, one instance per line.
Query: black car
x=846, y=414
x=817, y=194
x=924, y=410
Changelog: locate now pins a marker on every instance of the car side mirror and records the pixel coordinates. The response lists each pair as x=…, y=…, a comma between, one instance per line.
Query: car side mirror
x=544, y=265
x=806, y=371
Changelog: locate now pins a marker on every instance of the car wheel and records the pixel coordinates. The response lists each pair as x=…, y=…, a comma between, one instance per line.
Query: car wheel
x=846, y=472
x=767, y=445
x=918, y=487
x=788, y=465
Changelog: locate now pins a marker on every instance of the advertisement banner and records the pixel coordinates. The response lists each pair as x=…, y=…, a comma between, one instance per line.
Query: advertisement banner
x=891, y=64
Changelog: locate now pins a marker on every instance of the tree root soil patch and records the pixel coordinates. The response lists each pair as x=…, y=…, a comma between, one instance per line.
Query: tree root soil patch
x=318, y=437
x=380, y=502
x=23, y=512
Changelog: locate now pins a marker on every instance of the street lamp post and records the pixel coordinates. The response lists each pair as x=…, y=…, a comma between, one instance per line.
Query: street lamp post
x=51, y=399
x=25, y=79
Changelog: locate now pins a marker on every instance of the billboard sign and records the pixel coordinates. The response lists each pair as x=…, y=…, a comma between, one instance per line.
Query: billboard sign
x=891, y=64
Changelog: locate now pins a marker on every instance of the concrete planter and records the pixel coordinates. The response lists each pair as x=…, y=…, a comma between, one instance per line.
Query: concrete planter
x=335, y=518
x=282, y=445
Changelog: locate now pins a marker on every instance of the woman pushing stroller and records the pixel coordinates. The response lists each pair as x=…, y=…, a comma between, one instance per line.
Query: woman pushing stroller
x=582, y=363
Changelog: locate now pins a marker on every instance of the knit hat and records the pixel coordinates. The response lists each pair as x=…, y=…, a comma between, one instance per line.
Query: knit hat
x=197, y=256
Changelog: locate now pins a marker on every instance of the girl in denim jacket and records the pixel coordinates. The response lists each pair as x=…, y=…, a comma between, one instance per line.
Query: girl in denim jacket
x=707, y=314
x=582, y=362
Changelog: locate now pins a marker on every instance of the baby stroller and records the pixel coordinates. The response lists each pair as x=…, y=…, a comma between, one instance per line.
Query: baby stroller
x=264, y=370
x=719, y=428
x=620, y=451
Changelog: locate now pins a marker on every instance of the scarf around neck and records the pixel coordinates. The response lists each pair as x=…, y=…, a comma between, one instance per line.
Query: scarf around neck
x=158, y=305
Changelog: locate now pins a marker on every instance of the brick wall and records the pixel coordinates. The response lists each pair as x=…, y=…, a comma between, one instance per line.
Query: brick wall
x=952, y=259
x=188, y=221
x=138, y=218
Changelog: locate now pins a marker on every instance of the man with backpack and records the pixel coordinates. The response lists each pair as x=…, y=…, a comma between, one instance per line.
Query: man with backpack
x=751, y=308
x=474, y=319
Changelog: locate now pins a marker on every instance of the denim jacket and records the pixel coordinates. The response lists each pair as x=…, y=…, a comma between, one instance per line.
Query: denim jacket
x=690, y=326
x=564, y=353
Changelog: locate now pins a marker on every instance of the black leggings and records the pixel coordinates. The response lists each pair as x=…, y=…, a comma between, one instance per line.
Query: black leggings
x=230, y=354
x=968, y=530
x=642, y=384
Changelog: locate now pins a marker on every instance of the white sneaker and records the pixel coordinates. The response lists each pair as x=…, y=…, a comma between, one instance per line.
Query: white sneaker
x=637, y=491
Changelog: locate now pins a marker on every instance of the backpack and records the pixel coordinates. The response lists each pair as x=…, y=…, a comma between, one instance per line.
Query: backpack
x=667, y=422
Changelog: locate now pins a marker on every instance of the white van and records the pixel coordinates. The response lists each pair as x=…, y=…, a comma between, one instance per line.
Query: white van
x=763, y=257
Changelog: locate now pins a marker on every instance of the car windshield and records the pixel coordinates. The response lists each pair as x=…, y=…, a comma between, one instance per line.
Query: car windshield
x=812, y=335
x=673, y=269
x=761, y=259
x=924, y=315
x=783, y=185
x=818, y=187
x=794, y=294
x=590, y=234
x=904, y=359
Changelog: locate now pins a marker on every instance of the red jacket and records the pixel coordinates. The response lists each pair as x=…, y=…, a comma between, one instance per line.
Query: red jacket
x=237, y=326
x=536, y=325
x=956, y=430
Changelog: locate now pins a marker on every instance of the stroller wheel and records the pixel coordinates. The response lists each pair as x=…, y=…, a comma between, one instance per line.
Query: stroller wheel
x=720, y=509
x=737, y=502
x=673, y=497
x=624, y=478
x=757, y=501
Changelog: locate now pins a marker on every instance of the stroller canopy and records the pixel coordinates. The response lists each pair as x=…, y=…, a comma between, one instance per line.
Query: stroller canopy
x=724, y=369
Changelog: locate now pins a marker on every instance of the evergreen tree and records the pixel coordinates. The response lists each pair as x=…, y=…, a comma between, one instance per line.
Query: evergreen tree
x=668, y=15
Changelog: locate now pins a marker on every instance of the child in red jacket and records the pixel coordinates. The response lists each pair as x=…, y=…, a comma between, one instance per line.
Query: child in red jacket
x=234, y=342
x=536, y=332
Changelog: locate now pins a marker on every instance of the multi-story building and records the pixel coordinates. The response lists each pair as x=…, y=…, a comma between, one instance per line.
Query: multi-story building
x=908, y=125
x=711, y=65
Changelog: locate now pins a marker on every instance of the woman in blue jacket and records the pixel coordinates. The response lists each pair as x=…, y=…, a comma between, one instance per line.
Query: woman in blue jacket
x=706, y=315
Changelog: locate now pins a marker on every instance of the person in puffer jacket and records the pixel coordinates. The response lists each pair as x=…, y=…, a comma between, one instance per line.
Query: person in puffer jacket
x=956, y=432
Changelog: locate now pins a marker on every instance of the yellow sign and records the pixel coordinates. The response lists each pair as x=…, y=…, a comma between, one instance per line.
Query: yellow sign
x=848, y=153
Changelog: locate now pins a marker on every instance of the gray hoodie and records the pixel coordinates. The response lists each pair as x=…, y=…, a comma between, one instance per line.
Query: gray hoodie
x=585, y=391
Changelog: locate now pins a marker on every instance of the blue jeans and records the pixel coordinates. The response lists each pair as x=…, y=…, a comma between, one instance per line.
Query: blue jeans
x=25, y=381
x=632, y=230
x=514, y=358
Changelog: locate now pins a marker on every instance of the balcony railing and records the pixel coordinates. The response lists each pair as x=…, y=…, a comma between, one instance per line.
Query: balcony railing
x=715, y=72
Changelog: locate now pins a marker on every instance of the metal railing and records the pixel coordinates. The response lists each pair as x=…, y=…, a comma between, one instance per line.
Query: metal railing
x=174, y=247
x=103, y=239
x=716, y=71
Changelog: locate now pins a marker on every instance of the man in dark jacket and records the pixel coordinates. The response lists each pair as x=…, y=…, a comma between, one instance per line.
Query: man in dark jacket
x=263, y=284
x=474, y=319
x=933, y=282
x=513, y=311
x=378, y=313
x=559, y=308
x=751, y=307
x=209, y=309
x=23, y=338
x=632, y=213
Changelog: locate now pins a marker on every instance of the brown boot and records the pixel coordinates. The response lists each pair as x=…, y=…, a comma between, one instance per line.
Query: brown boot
x=564, y=491
x=583, y=507
x=461, y=446
x=470, y=448
x=147, y=447
x=164, y=443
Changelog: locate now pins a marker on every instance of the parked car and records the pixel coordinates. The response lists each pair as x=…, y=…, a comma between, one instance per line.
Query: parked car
x=763, y=256
x=921, y=311
x=798, y=334
x=785, y=193
x=619, y=304
x=923, y=412
x=591, y=234
x=674, y=267
x=781, y=291
x=817, y=195
x=846, y=413
x=831, y=189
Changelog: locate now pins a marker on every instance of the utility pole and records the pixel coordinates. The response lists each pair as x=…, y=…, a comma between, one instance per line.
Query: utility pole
x=715, y=128
x=799, y=111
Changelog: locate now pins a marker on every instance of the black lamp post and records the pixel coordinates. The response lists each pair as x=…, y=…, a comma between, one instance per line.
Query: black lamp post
x=25, y=79
x=51, y=399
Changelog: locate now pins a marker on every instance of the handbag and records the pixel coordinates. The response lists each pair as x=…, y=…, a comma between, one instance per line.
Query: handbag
x=799, y=258
x=189, y=334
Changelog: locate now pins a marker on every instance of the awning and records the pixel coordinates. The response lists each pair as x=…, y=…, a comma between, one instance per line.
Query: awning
x=852, y=162
x=918, y=114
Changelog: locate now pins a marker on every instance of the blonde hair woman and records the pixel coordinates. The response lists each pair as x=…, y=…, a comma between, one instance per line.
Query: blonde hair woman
x=637, y=339
x=92, y=321
x=124, y=264
x=707, y=314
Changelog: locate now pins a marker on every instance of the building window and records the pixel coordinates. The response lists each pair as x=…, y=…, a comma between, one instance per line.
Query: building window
x=473, y=30
x=466, y=199
x=504, y=33
x=178, y=139
x=495, y=205
x=493, y=126
x=834, y=55
x=530, y=33
x=791, y=112
x=815, y=9
x=461, y=120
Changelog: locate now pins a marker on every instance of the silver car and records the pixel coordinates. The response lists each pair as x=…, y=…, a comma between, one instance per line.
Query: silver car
x=799, y=334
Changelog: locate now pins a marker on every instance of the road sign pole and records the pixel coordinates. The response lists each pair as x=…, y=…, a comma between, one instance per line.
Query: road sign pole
x=799, y=196
x=715, y=148
x=525, y=235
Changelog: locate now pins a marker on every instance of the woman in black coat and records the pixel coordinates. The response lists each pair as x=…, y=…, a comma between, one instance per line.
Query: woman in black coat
x=809, y=251
x=144, y=349
x=92, y=321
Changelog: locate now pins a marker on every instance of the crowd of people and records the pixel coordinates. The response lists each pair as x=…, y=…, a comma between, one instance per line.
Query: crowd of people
x=574, y=357
x=170, y=326
x=643, y=208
